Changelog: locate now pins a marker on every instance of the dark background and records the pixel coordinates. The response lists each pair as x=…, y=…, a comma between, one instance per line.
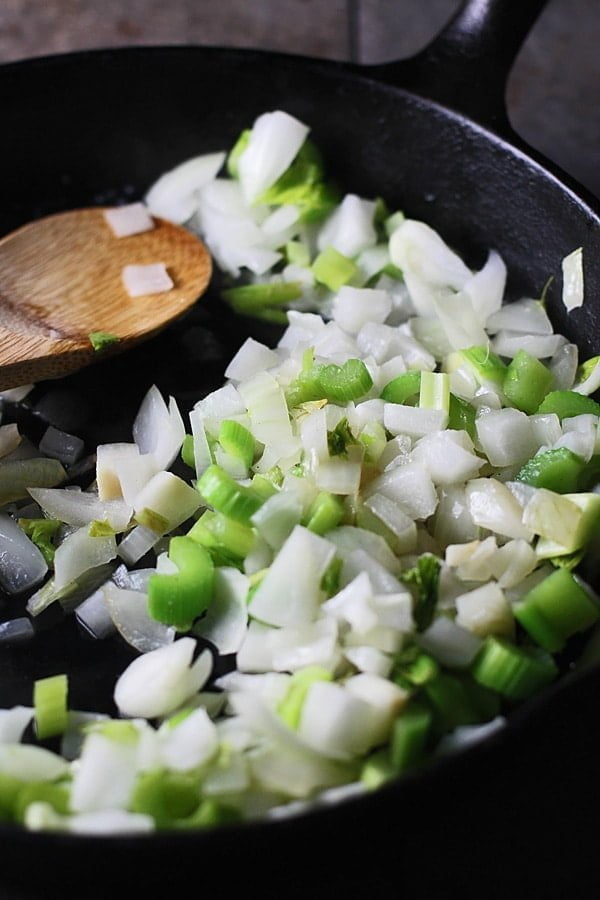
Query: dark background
x=553, y=93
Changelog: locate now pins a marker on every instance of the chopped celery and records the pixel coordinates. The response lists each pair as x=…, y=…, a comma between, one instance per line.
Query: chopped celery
x=555, y=609
x=333, y=269
x=453, y=702
x=236, y=440
x=527, y=381
x=556, y=470
x=41, y=532
x=340, y=438
x=377, y=769
x=224, y=494
x=216, y=531
x=330, y=582
x=325, y=512
x=403, y=388
x=290, y=707
x=413, y=667
x=262, y=486
x=410, y=734
x=297, y=254
x=180, y=598
x=236, y=151
x=100, y=340
x=568, y=404
x=166, y=796
x=461, y=416
x=424, y=578
x=187, y=451
x=338, y=384
x=251, y=299
x=50, y=706
x=485, y=365
x=434, y=390
x=514, y=672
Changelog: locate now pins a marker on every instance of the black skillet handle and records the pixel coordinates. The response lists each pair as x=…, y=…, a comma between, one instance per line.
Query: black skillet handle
x=466, y=67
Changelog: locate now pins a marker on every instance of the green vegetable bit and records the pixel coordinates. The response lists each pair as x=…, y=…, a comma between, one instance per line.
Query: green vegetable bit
x=515, y=672
x=557, y=470
x=556, y=608
x=568, y=404
x=42, y=532
x=224, y=494
x=180, y=598
x=424, y=578
x=50, y=706
x=403, y=388
x=333, y=269
x=526, y=383
x=100, y=340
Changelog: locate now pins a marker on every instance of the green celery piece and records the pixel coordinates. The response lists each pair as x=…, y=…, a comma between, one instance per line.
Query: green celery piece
x=434, y=391
x=424, y=578
x=10, y=789
x=305, y=170
x=236, y=440
x=413, y=668
x=461, y=416
x=325, y=512
x=236, y=151
x=218, y=532
x=119, y=731
x=333, y=269
x=555, y=609
x=166, y=796
x=402, y=388
x=100, y=340
x=373, y=439
x=347, y=382
x=393, y=222
x=514, y=672
x=558, y=470
x=187, y=451
x=377, y=769
x=381, y=213
x=410, y=734
x=290, y=707
x=340, y=438
x=567, y=404
x=392, y=271
x=50, y=706
x=100, y=528
x=452, y=704
x=526, y=383
x=485, y=365
x=180, y=598
x=252, y=299
x=297, y=253
x=41, y=532
x=225, y=495
x=57, y=795
x=330, y=582
x=210, y=814
x=262, y=486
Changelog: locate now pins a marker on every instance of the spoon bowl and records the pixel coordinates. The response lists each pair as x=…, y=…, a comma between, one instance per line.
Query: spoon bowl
x=62, y=280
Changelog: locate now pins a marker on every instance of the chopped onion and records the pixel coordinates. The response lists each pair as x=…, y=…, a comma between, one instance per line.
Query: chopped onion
x=127, y=220
x=151, y=278
x=22, y=566
x=572, y=270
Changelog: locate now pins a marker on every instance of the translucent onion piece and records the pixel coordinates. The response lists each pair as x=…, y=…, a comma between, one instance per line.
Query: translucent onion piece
x=159, y=429
x=94, y=615
x=22, y=566
x=80, y=552
x=275, y=140
x=13, y=723
x=225, y=622
x=9, y=438
x=82, y=507
x=128, y=611
x=173, y=196
x=18, y=475
x=133, y=218
x=572, y=270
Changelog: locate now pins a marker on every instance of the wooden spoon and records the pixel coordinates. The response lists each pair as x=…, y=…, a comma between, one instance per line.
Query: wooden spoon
x=60, y=280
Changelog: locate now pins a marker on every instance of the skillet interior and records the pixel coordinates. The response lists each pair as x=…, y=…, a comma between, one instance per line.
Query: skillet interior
x=99, y=127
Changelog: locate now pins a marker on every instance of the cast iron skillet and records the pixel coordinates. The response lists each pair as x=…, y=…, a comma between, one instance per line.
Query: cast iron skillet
x=431, y=135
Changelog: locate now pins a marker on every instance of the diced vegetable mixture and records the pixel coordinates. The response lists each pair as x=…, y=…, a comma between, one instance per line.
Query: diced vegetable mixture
x=380, y=527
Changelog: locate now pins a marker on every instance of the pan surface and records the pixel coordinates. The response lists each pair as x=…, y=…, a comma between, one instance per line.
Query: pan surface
x=99, y=127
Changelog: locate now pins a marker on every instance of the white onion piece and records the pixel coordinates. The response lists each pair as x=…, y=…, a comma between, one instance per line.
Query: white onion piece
x=427, y=263
x=80, y=552
x=127, y=220
x=152, y=278
x=275, y=140
x=486, y=288
x=168, y=499
x=13, y=723
x=190, y=743
x=252, y=358
x=128, y=611
x=542, y=346
x=572, y=271
x=9, y=438
x=105, y=773
x=82, y=507
x=450, y=644
x=506, y=436
x=290, y=592
x=349, y=229
x=354, y=307
x=29, y=763
x=525, y=316
x=22, y=566
x=159, y=429
x=226, y=619
x=160, y=681
x=136, y=544
x=172, y=196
